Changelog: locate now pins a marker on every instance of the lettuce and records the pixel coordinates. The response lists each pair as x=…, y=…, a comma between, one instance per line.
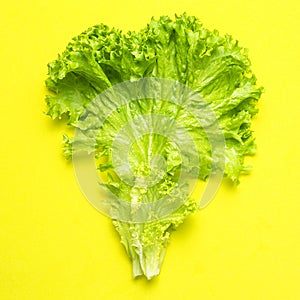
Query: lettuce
x=216, y=67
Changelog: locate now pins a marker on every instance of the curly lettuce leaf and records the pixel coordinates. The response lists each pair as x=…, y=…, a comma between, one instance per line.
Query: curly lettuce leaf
x=183, y=50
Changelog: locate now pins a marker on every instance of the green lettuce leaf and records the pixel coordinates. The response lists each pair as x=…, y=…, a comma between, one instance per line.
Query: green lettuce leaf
x=183, y=50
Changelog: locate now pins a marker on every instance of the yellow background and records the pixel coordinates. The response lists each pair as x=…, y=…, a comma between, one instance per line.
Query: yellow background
x=55, y=245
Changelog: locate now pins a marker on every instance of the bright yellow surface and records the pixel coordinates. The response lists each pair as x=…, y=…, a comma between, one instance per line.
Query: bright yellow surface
x=55, y=245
